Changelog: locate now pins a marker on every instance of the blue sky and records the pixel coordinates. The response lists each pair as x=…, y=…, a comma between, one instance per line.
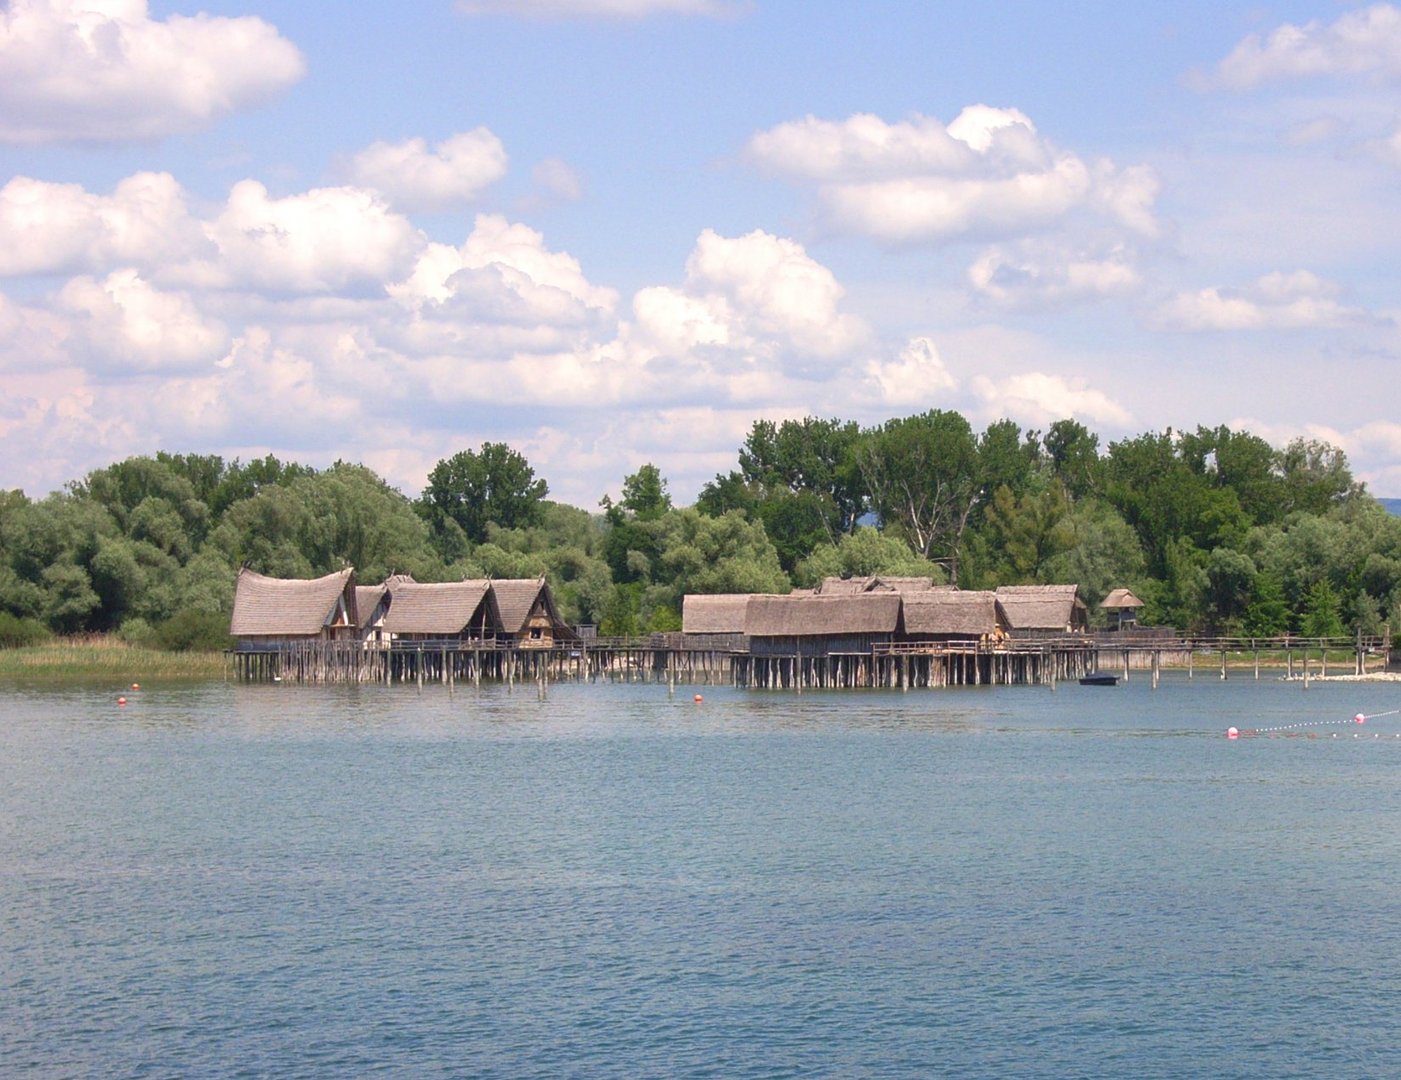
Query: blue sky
x=617, y=231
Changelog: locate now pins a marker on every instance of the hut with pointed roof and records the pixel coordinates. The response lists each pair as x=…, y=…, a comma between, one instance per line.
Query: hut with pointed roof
x=1043, y=610
x=450, y=611
x=1124, y=605
x=529, y=618
x=270, y=612
x=945, y=616
x=821, y=625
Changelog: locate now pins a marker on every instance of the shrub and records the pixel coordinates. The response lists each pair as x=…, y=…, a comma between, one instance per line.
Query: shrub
x=194, y=631
x=138, y=632
x=16, y=633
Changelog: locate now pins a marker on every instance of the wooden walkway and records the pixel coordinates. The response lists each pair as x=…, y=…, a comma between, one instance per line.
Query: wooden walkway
x=665, y=659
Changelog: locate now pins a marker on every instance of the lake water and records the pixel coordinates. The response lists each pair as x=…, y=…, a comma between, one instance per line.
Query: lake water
x=291, y=881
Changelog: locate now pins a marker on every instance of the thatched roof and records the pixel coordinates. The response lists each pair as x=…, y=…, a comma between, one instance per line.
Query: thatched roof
x=853, y=586
x=953, y=611
x=907, y=584
x=1040, y=607
x=367, y=598
x=290, y=607
x=838, y=586
x=812, y=616
x=447, y=608
x=715, y=613
x=1121, y=598
x=516, y=598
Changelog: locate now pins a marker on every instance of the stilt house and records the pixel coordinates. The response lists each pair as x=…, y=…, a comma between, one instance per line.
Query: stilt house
x=529, y=618
x=821, y=625
x=269, y=612
x=449, y=612
x=715, y=621
x=945, y=616
x=1043, y=610
x=1123, y=607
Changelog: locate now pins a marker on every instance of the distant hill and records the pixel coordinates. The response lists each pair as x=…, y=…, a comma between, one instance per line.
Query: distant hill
x=1391, y=506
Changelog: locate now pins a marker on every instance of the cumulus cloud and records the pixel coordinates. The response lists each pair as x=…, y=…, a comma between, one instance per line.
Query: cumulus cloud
x=123, y=323
x=596, y=9
x=913, y=379
x=1032, y=274
x=1365, y=41
x=988, y=173
x=414, y=177
x=1277, y=301
x=340, y=239
x=48, y=228
x=1035, y=397
x=104, y=70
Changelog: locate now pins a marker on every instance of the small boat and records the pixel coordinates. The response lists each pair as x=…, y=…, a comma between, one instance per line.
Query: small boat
x=1099, y=678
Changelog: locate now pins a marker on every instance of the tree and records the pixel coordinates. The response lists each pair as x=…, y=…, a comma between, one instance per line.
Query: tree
x=645, y=495
x=865, y=553
x=808, y=457
x=1322, y=615
x=1316, y=477
x=1073, y=454
x=921, y=472
x=474, y=488
x=1267, y=614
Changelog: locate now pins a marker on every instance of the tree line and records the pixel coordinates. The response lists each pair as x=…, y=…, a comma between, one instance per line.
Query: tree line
x=1216, y=530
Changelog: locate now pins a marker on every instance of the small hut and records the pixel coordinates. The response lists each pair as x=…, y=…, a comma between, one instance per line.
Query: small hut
x=372, y=604
x=1123, y=606
x=269, y=612
x=941, y=616
x=715, y=620
x=1042, y=610
x=821, y=625
x=453, y=611
x=529, y=618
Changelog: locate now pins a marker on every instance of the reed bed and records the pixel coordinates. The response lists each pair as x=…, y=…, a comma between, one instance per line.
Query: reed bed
x=102, y=656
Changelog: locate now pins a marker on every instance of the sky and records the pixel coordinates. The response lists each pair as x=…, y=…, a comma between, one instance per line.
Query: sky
x=613, y=232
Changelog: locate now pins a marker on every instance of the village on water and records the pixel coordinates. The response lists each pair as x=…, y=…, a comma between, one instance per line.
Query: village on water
x=846, y=633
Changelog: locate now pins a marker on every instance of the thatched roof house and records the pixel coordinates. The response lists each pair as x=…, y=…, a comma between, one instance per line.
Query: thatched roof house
x=529, y=617
x=1125, y=606
x=269, y=610
x=821, y=625
x=1043, y=609
x=953, y=615
x=449, y=610
x=714, y=613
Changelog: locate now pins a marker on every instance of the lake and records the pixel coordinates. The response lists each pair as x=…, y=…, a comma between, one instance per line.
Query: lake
x=246, y=880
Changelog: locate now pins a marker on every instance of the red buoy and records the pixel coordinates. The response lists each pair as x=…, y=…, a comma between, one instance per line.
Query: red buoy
x=698, y=699
x=1232, y=733
x=121, y=701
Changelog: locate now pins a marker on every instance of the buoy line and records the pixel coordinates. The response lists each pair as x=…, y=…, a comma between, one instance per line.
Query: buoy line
x=1360, y=718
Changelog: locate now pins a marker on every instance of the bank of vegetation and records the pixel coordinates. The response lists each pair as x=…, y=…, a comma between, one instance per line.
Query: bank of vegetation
x=1216, y=530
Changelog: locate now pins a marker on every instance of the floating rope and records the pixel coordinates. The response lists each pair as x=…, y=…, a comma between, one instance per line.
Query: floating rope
x=1360, y=718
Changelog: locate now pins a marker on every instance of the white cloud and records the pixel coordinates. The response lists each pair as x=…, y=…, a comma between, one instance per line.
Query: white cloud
x=326, y=240
x=914, y=379
x=1277, y=301
x=413, y=177
x=104, y=70
x=986, y=174
x=776, y=291
x=1033, y=274
x=593, y=9
x=1359, y=42
x=555, y=181
x=1034, y=397
x=122, y=323
x=50, y=228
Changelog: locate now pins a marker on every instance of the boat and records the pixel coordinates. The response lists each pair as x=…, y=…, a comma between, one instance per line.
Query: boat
x=1099, y=678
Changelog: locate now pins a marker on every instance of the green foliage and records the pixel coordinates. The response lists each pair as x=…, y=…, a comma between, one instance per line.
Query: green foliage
x=645, y=495
x=472, y=489
x=194, y=631
x=18, y=633
x=1322, y=615
x=921, y=473
x=1267, y=614
x=865, y=553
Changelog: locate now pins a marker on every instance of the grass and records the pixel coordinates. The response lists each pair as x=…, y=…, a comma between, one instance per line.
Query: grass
x=101, y=656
